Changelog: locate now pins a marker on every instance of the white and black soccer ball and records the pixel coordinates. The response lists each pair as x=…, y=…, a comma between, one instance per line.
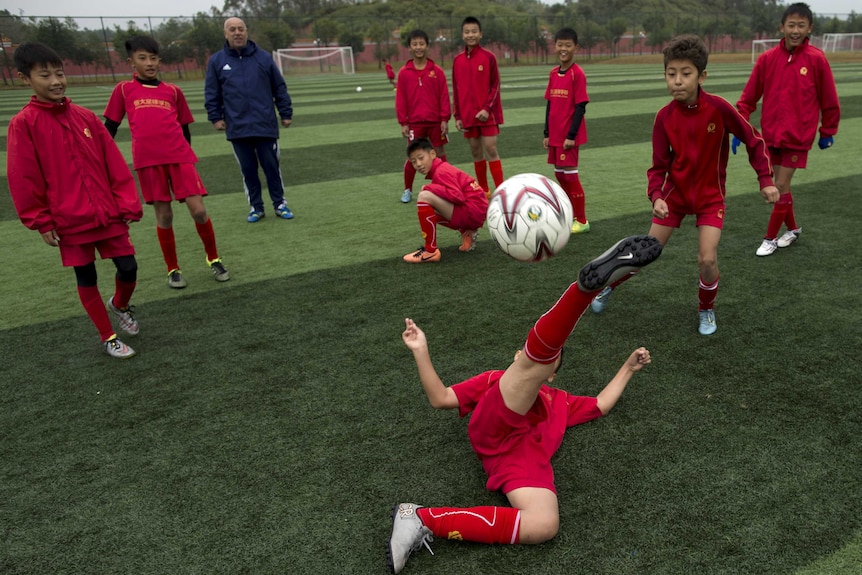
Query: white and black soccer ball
x=530, y=217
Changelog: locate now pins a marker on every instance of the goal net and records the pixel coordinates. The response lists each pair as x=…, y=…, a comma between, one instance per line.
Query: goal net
x=849, y=42
x=315, y=60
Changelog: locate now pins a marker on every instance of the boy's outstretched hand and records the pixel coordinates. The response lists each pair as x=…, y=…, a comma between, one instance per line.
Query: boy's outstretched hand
x=413, y=337
x=639, y=358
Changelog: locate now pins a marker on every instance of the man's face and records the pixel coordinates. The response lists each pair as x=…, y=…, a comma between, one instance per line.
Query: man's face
x=422, y=160
x=145, y=64
x=796, y=29
x=235, y=33
x=683, y=80
x=48, y=83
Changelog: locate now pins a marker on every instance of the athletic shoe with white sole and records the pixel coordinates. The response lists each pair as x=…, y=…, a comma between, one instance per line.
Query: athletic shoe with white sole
x=789, y=237
x=767, y=248
x=406, y=196
x=115, y=348
x=283, y=212
x=706, y=322
x=626, y=256
x=125, y=318
x=408, y=534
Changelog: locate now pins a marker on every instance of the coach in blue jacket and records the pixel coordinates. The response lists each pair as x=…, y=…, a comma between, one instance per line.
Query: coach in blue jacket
x=243, y=89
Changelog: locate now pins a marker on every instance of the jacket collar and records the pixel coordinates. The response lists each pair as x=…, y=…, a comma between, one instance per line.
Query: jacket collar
x=51, y=107
x=247, y=50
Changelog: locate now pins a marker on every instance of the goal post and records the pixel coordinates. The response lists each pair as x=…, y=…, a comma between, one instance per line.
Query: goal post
x=315, y=60
x=846, y=42
x=758, y=47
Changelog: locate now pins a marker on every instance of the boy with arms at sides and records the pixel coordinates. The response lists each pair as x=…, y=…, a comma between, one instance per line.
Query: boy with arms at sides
x=452, y=199
x=159, y=119
x=518, y=420
x=390, y=73
x=422, y=104
x=565, y=128
x=796, y=84
x=690, y=142
x=478, y=110
x=70, y=183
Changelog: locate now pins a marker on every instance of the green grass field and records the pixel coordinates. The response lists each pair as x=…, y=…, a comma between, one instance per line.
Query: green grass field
x=268, y=424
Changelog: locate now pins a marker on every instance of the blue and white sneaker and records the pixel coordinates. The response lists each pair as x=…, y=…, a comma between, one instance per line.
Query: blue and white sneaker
x=255, y=216
x=283, y=212
x=406, y=197
x=624, y=257
x=408, y=534
x=600, y=301
x=707, y=322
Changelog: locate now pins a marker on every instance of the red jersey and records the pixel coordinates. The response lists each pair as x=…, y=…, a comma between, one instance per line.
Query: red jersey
x=422, y=96
x=390, y=73
x=530, y=443
x=797, y=88
x=476, y=87
x=157, y=115
x=65, y=172
x=690, y=150
x=564, y=92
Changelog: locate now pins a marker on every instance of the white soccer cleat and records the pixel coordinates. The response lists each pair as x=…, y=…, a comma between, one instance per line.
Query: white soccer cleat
x=408, y=534
x=115, y=348
x=125, y=318
x=767, y=248
x=789, y=237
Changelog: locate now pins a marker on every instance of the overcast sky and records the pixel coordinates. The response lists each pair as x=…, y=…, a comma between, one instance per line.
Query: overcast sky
x=64, y=8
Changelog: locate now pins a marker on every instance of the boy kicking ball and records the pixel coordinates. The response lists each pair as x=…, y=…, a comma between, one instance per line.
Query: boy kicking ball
x=518, y=420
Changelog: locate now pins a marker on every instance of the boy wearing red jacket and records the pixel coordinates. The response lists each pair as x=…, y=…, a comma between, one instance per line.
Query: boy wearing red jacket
x=478, y=110
x=796, y=84
x=422, y=104
x=452, y=199
x=690, y=143
x=70, y=183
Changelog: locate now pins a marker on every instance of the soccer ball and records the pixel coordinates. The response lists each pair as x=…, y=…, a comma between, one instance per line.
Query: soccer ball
x=530, y=217
x=358, y=88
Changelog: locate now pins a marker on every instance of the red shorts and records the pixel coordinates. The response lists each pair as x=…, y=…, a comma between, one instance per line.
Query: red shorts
x=711, y=215
x=430, y=130
x=480, y=131
x=563, y=158
x=467, y=216
x=82, y=254
x=788, y=158
x=157, y=182
x=525, y=464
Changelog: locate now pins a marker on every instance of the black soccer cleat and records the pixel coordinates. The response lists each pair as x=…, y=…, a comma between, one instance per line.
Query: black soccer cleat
x=626, y=256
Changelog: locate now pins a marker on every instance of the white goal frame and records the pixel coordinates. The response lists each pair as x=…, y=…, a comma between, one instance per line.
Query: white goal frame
x=324, y=55
x=849, y=41
x=758, y=47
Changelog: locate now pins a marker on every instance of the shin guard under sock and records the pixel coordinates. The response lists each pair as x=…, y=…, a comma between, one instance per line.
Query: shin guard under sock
x=549, y=334
x=476, y=524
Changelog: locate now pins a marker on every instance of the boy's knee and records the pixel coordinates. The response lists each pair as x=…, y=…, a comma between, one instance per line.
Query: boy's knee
x=127, y=268
x=541, y=530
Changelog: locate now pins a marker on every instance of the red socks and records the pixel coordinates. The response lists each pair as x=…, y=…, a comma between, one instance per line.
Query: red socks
x=409, y=175
x=169, y=247
x=782, y=212
x=91, y=299
x=428, y=224
x=549, y=334
x=123, y=293
x=481, y=168
x=571, y=183
x=476, y=524
x=207, y=236
x=496, y=167
x=706, y=294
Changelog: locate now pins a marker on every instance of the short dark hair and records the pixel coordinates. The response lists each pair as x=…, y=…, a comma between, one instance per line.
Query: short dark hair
x=417, y=34
x=687, y=47
x=566, y=34
x=30, y=55
x=799, y=9
x=419, y=144
x=471, y=20
x=141, y=43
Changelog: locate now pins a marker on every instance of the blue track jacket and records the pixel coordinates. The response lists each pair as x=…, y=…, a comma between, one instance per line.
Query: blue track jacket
x=241, y=88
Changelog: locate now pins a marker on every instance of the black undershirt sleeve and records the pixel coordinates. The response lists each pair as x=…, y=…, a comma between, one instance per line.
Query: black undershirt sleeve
x=112, y=127
x=187, y=134
x=577, y=118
